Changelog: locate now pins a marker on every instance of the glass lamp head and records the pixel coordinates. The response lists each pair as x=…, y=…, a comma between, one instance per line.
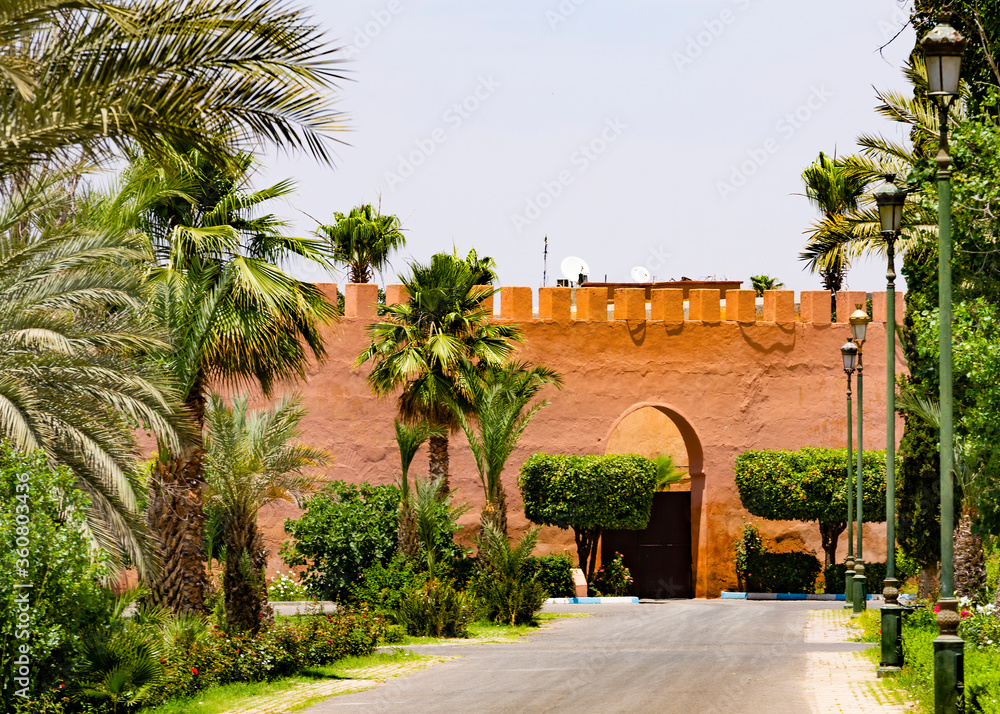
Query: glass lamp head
x=850, y=354
x=890, y=199
x=859, y=325
x=943, y=48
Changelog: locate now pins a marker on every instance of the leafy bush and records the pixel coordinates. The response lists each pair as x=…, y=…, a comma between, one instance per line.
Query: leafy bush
x=507, y=584
x=555, y=574
x=613, y=579
x=345, y=529
x=284, y=588
x=436, y=609
x=809, y=485
x=42, y=534
x=980, y=626
x=833, y=576
x=588, y=494
x=761, y=571
x=383, y=587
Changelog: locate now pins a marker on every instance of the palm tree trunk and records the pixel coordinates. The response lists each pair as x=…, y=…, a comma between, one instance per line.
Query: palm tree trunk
x=495, y=511
x=176, y=519
x=243, y=581
x=970, y=560
x=408, y=540
x=438, y=447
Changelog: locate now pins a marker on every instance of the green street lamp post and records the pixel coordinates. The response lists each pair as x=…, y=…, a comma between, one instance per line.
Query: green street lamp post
x=943, y=47
x=849, y=353
x=890, y=199
x=859, y=328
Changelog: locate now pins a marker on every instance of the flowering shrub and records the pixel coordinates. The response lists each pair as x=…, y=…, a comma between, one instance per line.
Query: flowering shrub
x=285, y=588
x=980, y=626
x=614, y=578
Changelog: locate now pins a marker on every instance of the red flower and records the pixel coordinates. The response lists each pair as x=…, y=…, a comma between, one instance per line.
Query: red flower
x=163, y=661
x=194, y=670
x=261, y=615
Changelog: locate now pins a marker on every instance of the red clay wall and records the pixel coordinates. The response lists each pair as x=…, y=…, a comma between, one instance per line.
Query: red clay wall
x=738, y=385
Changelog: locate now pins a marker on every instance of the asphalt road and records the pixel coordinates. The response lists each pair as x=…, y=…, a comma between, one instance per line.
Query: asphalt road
x=684, y=656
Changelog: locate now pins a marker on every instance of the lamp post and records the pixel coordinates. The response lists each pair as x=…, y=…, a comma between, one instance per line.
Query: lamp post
x=859, y=328
x=943, y=47
x=890, y=199
x=849, y=353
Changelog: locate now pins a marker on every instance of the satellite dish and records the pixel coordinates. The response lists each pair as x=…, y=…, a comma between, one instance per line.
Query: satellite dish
x=575, y=269
x=640, y=274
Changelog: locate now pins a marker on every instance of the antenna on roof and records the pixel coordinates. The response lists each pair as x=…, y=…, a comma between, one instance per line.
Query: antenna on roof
x=575, y=270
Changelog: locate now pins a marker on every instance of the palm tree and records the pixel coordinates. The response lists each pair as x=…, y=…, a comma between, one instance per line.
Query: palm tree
x=93, y=79
x=409, y=439
x=235, y=316
x=362, y=240
x=500, y=397
x=835, y=187
x=430, y=345
x=249, y=463
x=72, y=380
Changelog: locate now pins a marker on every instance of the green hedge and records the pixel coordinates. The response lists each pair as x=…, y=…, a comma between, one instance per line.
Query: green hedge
x=833, y=575
x=555, y=574
x=782, y=573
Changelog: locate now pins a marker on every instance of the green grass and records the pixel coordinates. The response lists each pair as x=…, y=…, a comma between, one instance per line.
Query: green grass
x=242, y=695
x=483, y=632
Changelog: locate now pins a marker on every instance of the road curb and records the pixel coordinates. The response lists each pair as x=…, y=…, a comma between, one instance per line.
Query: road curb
x=786, y=596
x=631, y=600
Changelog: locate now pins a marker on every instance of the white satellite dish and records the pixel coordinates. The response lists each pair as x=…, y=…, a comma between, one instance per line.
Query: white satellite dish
x=640, y=274
x=573, y=267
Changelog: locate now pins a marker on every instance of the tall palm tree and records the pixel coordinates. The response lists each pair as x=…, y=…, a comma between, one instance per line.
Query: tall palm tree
x=249, y=463
x=72, y=379
x=430, y=345
x=362, y=240
x=500, y=397
x=236, y=318
x=93, y=78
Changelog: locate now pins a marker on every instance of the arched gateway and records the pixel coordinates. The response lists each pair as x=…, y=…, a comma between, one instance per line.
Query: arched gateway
x=663, y=558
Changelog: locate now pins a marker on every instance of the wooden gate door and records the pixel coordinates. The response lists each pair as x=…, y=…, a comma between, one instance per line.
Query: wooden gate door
x=659, y=557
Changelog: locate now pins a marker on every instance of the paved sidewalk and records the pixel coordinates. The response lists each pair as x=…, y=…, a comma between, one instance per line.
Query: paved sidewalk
x=843, y=681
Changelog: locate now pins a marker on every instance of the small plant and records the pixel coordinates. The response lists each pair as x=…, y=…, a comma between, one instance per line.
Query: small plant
x=436, y=609
x=284, y=588
x=383, y=587
x=507, y=583
x=613, y=579
x=748, y=546
x=555, y=573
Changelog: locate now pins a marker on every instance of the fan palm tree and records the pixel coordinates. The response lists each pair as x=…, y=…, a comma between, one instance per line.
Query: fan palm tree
x=249, y=463
x=362, y=240
x=430, y=346
x=235, y=316
x=92, y=79
x=72, y=381
x=500, y=397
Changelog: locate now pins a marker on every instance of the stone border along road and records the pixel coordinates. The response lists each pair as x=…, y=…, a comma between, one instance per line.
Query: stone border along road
x=683, y=656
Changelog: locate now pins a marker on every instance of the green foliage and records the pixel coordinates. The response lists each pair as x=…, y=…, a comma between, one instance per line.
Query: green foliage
x=382, y=587
x=555, y=574
x=666, y=473
x=44, y=545
x=436, y=521
x=761, y=571
x=833, y=576
x=362, y=241
x=613, y=579
x=345, y=529
x=588, y=494
x=809, y=485
x=613, y=491
x=437, y=609
x=507, y=585
x=765, y=282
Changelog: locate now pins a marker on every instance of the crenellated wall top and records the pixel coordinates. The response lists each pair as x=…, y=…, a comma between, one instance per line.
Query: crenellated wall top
x=590, y=304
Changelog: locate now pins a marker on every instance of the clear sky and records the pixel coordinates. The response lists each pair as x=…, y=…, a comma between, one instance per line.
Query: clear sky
x=669, y=134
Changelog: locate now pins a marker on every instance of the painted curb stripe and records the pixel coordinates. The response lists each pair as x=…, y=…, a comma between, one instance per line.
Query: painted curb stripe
x=592, y=601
